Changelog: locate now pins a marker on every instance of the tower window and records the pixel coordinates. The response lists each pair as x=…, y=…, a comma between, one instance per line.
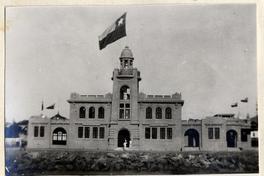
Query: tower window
x=126, y=64
x=124, y=112
x=168, y=113
x=91, y=112
x=158, y=113
x=125, y=93
x=82, y=112
x=149, y=113
x=101, y=113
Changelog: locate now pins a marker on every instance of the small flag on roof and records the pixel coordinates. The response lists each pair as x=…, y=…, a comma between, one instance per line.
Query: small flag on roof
x=245, y=100
x=42, y=106
x=234, y=105
x=114, y=32
x=51, y=106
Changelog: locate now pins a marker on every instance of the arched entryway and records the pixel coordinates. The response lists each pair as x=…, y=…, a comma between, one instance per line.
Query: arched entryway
x=59, y=136
x=231, y=138
x=123, y=135
x=192, y=138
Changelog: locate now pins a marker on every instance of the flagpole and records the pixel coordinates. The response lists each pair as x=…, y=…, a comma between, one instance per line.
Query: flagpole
x=58, y=101
x=42, y=109
x=238, y=110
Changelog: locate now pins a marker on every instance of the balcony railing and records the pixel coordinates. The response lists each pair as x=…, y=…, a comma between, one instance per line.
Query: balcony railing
x=125, y=72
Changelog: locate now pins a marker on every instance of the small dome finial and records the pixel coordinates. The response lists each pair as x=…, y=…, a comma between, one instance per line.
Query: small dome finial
x=126, y=53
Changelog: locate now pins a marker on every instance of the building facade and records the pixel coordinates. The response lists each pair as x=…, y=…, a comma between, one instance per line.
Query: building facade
x=132, y=120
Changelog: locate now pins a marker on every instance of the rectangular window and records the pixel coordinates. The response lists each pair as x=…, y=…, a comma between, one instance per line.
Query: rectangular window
x=86, y=132
x=210, y=133
x=162, y=133
x=127, y=114
x=169, y=133
x=80, y=132
x=121, y=113
x=254, y=142
x=147, y=133
x=154, y=133
x=244, y=135
x=217, y=133
x=101, y=132
x=42, y=131
x=36, y=129
x=95, y=132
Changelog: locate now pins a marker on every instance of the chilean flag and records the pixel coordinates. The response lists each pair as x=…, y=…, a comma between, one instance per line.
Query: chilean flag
x=113, y=32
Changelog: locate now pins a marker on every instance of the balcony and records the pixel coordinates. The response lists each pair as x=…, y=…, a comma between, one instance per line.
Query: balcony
x=125, y=72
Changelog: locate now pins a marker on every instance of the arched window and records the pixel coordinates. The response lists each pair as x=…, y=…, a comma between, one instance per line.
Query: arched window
x=149, y=113
x=168, y=113
x=101, y=113
x=158, y=113
x=82, y=112
x=91, y=112
x=59, y=136
x=124, y=93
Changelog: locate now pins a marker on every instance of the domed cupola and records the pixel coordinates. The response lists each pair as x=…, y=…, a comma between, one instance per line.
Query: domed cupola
x=126, y=58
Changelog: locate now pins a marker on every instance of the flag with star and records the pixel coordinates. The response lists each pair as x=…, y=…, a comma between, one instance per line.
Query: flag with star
x=114, y=32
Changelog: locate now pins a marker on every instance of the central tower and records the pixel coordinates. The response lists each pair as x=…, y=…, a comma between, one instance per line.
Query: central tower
x=124, y=114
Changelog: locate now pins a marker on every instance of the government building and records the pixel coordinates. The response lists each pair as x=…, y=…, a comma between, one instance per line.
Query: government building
x=130, y=120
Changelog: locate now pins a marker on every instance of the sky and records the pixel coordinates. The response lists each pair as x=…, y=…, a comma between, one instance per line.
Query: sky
x=205, y=52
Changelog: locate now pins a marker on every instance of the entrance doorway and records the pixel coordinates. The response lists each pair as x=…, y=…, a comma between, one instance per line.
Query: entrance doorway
x=123, y=135
x=192, y=138
x=231, y=138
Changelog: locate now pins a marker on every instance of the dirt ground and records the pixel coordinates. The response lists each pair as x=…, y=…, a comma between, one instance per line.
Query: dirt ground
x=22, y=162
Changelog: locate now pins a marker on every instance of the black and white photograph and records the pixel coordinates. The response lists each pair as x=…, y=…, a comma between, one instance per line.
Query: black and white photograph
x=131, y=89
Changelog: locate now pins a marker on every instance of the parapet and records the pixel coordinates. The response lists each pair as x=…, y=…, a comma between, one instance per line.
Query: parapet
x=75, y=98
x=192, y=121
x=225, y=115
x=161, y=98
x=39, y=119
